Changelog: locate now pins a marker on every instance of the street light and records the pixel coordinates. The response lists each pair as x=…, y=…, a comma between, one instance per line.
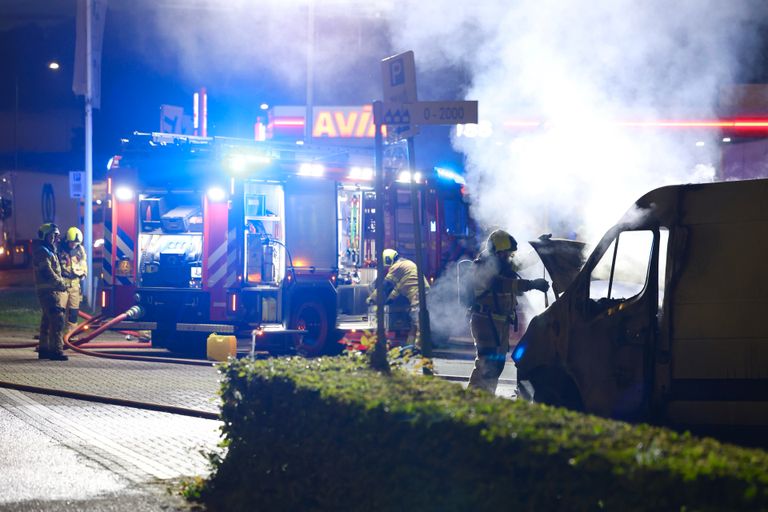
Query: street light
x=53, y=65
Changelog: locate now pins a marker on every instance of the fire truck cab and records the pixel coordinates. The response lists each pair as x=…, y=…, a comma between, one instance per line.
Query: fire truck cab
x=241, y=237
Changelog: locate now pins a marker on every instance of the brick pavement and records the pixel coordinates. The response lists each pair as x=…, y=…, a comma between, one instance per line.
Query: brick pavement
x=136, y=446
x=140, y=446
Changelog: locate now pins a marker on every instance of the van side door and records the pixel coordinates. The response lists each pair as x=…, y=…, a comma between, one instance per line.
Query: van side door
x=614, y=328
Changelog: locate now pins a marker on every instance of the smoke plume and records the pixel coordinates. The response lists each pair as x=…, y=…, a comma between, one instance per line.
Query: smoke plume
x=574, y=67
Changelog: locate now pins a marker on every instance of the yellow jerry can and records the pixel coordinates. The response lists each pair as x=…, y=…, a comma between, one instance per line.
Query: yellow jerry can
x=220, y=347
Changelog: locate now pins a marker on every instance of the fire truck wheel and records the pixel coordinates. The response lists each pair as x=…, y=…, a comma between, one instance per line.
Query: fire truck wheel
x=311, y=317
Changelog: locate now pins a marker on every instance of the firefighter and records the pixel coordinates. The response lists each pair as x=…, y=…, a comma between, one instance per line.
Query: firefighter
x=493, y=287
x=51, y=292
x=74, y=268
x=402, y=281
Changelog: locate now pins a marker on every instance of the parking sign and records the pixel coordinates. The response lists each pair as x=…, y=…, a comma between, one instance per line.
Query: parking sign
x=399, y=86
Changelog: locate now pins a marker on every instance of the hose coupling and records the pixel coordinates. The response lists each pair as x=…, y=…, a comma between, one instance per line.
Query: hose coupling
x=135, y=312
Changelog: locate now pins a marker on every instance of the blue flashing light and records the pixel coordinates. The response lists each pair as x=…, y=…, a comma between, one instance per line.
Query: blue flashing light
x=237, y=163
x=448, y=174
x=519, y=351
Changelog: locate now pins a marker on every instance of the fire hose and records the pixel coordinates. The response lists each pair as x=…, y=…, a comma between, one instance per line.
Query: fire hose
x=88, y=320
x=133, y=312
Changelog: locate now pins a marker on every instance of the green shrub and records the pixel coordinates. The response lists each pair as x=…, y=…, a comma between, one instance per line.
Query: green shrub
x=330, y=434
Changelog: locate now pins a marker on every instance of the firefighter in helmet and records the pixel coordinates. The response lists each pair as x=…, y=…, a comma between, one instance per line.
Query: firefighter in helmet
x=492, y=292
x=401, y=282
x=51, y=292
x=74, y=268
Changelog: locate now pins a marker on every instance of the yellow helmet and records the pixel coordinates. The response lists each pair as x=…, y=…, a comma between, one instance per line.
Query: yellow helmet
x=390, y=256
x=74, y=235
x=47, y=229
x=500, y=241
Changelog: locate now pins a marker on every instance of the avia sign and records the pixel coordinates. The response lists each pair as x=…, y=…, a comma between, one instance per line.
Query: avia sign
x=343, y=122
x=334, y=122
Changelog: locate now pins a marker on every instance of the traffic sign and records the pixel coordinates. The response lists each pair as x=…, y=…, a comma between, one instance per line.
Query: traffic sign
x=399, y=86
x=429, y=112
x=76, y=184
x=399, y=78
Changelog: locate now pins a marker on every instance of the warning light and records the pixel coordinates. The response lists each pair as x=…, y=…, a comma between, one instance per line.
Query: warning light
x=314, y=170
x=124, y=194
x=216, y=194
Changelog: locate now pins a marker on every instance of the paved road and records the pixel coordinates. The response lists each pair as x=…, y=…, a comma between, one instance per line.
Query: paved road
x=65, y=454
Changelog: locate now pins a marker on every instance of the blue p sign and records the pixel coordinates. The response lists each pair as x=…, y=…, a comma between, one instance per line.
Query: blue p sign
x=396, y=72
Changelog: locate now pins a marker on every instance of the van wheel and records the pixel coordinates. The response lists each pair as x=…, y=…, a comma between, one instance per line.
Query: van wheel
x=553, y=386
x=312, y=318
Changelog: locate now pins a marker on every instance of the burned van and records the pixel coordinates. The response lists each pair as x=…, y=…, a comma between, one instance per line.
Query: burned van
x=666, y=319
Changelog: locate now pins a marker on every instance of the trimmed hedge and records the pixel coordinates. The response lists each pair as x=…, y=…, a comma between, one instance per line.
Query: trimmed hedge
x=330, y=434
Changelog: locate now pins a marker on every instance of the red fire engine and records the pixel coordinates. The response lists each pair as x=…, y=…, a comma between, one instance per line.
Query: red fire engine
x=228, y=236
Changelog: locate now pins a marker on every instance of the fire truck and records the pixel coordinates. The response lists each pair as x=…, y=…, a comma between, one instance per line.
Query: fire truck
x=245, y=237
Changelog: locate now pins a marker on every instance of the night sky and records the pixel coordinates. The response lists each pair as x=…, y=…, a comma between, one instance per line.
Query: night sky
x=142, y=68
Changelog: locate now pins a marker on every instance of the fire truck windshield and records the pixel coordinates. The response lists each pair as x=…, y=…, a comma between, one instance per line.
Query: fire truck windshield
x=170, y=240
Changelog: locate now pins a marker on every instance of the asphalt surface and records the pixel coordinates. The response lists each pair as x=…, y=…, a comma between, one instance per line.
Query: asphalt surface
x=66, y=454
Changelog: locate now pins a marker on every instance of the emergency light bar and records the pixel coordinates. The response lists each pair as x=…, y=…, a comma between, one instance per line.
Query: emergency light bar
x=448, y=174
x=239, y=163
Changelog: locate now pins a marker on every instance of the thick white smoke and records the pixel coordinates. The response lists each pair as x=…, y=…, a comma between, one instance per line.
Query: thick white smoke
x=580, y=66
x=576, y=66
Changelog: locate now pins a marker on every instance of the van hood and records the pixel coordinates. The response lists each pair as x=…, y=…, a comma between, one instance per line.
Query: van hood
x=562, y=258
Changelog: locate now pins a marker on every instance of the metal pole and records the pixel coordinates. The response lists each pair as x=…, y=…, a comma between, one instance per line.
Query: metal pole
x=424, y=328
x=308, y=116
x=88, y=220
x=379, y=356
x=16, y=123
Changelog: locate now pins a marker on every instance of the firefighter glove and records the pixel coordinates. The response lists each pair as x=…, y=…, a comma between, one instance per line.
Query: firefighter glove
x=540, y=284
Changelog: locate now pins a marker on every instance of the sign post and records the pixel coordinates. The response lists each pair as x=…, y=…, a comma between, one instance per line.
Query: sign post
x=399, y=74
x=403, y=113
x=379, y=357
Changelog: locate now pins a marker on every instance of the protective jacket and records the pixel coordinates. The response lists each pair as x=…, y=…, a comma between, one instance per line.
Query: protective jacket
x=495, y=287
x=74, y=266
x=492, y=297
x=47, y=269
x=402, y=281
